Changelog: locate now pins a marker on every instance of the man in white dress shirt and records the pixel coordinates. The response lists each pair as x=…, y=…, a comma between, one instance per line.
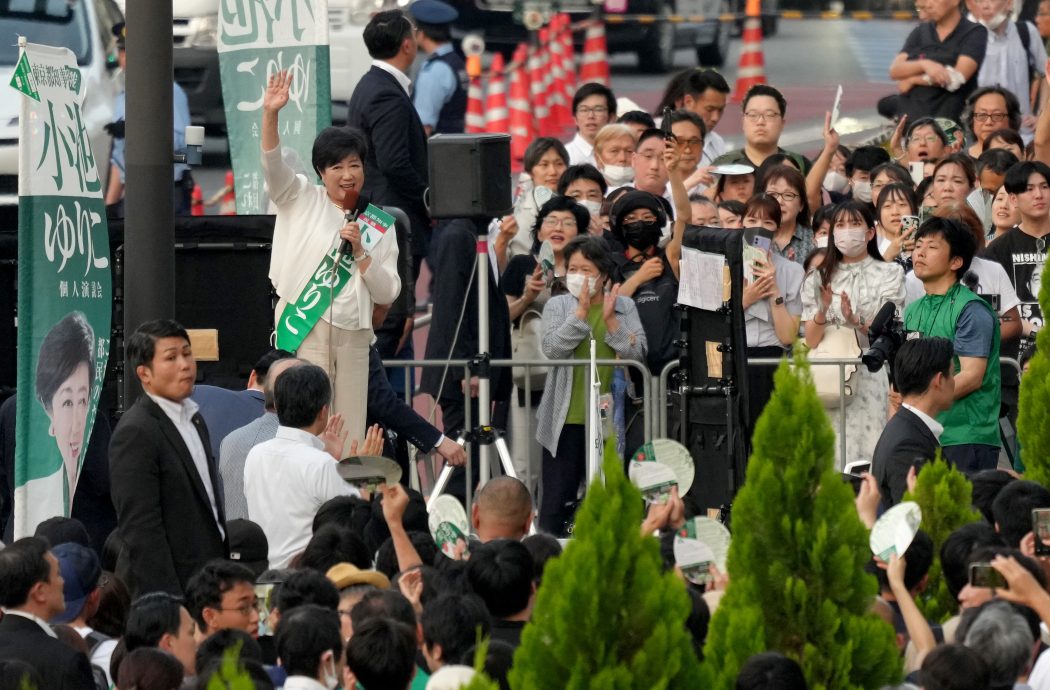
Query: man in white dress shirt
x=593, y=107
x=287, y=478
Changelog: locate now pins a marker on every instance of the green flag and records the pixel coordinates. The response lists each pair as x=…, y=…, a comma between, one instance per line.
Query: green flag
x=253, y=45
x=65, y=296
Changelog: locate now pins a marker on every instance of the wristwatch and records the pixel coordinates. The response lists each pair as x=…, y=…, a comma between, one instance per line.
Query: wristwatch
x=363, y=256
x=779, y=300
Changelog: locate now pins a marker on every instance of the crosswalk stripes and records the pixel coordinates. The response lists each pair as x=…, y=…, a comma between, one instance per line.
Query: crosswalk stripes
x=875, y=44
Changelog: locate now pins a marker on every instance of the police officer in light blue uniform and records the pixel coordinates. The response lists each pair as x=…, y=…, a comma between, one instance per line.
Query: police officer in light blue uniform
x=183, y=180
x=440, y=94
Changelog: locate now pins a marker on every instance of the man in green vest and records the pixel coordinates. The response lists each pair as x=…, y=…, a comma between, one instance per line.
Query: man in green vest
x=944, y=249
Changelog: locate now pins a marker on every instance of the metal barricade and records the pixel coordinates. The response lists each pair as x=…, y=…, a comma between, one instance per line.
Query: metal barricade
x=648, y=421
x=664, y=390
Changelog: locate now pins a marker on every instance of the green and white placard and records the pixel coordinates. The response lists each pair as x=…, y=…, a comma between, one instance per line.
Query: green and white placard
x=65, y=294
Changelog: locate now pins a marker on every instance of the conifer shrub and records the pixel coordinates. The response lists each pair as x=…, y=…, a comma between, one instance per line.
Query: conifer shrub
x=606, y=617
x=1033, y=413
x=796, y=563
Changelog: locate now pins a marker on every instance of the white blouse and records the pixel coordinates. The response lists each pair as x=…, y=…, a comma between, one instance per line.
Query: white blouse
x=870, y=283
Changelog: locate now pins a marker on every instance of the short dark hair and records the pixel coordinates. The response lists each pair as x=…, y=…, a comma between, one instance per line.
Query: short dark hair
x=59, y=530
x=918, y=361
x=69, y=343
x=561, y=203
x=147, y=667
x=542, y=548
x=771, y=671
x=896, y=190
x=683, y=115
x=22, y=565
x=539, y=147
x=439, y=33
x=351, y=512
x=595, y=89
x=306, y=587
x=1013, y=509
x=766, y=90
x=332, y=145
x=895, y=171
x=737, y=208
x=422, y=542
x=260, y=678
x=956, y=550
x=215, y=645
x=961, y=241
x=453, y=621
x=917, y=561
x=383, y=603
x=333, y=544
x=382, y=654
x=152, y=616
x=592, y=248
x=501, y=573
x=763, y=206
x=963, y=162
x=997, y=161
x=954, y=667
x=1013, y=106
x=300, y=393
x=262, y=366
x=141, y=346
x=583, y=171
x=206, y=587
x=700, y=80
x=385, y=32
x=637, y=117
x=648, y=134
x=866, y=159
x=1009, y=136
x=304, y=635
x=986, y=486
x=927, y=122
x=1016, y=181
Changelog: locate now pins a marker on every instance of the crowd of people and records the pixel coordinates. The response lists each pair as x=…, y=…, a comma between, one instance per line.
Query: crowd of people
x=232, y=527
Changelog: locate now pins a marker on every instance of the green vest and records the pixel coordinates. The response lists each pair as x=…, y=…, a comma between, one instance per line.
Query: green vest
x=975, y=418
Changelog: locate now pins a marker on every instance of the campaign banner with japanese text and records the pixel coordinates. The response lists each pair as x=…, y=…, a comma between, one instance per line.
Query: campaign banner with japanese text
x=255, y=41
x=65, y=292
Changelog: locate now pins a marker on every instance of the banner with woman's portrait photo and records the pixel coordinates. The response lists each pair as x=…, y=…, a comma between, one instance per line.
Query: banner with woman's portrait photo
x=255, y=43
x=65, y=294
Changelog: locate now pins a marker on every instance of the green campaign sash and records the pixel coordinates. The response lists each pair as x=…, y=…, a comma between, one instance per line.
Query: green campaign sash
x=299, y=318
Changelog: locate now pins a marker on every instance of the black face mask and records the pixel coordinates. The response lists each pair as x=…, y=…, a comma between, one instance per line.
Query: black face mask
x=641, y=234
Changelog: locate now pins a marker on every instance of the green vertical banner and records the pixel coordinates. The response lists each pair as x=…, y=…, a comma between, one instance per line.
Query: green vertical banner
x=65, y=292
x=257, y=40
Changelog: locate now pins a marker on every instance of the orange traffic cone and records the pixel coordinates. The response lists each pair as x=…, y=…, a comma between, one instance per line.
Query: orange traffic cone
x=537, y=87
x=521, y=129
x=751, y=70
x=229, y=197
x=568, y=56
x=595, y=64
x=559, y=106
x=475, y=110
x=497, y=118
x=197, y=201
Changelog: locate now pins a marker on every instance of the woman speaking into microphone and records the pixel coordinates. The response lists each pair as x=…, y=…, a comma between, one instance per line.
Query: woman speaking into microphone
x=327, y=296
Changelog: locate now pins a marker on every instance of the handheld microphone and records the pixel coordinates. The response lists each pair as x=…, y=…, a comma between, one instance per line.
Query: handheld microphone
x=351, y=199
x=882, y=319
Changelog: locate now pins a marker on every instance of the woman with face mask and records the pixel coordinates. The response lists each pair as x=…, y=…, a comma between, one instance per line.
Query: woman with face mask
x=588, y=187
x=771, y=302
x=592, y=309
x=648, y=274
x=527, y=290
x=895, y=202
x=613, y=148
x=846, y=292
x=545, y=161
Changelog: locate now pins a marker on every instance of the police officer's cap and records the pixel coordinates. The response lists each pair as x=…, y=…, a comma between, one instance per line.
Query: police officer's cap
x=433, y=12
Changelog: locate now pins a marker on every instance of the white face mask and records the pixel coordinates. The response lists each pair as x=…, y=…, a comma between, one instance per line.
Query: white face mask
x=996, y=21
x=835, y=182
x=574, y=281
x=593, y=207
x=862, y=191
x=329, y=678
x=821, y=242
x=852, y=242
x=618, y=175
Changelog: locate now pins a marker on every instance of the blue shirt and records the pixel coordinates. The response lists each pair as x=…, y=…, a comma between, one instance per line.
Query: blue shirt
x=181, y=112
x=434, y=87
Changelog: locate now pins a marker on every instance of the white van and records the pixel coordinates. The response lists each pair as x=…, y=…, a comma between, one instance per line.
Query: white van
x=195, y=33
x=83, y=26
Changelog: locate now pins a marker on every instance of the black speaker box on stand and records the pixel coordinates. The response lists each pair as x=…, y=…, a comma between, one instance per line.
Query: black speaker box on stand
x=470, y=175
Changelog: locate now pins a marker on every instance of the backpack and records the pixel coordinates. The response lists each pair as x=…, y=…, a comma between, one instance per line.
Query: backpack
x=94, y=639
x=1026, y=40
